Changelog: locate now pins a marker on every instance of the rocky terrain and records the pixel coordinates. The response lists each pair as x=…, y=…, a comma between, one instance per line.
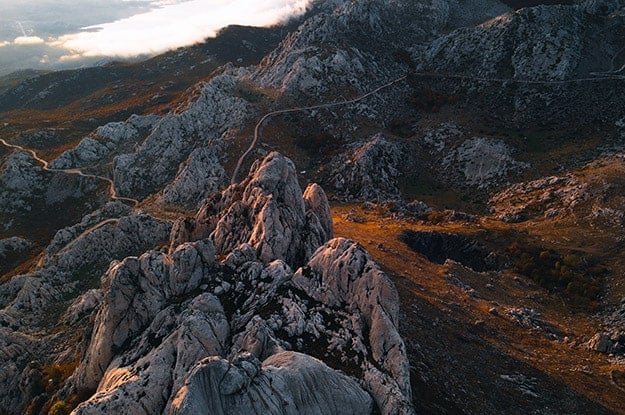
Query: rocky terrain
x=430, y=210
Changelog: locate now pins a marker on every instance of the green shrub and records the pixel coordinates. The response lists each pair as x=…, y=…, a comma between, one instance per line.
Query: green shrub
x=59, y=408
x=581, y=279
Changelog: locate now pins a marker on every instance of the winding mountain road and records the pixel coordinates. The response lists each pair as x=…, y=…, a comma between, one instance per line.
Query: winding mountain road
x=45, y=165
x=600, y=78
x=299, y=109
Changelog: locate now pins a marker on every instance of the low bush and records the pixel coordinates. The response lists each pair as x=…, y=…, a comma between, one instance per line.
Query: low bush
x=579, y=277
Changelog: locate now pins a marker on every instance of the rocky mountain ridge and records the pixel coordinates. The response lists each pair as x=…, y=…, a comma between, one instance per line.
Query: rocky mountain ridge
x=239, y=299
x=188, y=306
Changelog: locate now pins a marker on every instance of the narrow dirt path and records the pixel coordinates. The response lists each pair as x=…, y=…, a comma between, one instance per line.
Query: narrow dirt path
x=298, y=109
x=45, y=165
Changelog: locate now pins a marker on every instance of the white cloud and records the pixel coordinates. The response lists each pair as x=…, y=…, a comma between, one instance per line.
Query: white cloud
x=5, y=43
x=28, y=40
x=174, y=25
x=71, y=58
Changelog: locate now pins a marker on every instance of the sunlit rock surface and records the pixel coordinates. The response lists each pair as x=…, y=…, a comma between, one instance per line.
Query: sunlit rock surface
x=220, y=387
x=171, y=324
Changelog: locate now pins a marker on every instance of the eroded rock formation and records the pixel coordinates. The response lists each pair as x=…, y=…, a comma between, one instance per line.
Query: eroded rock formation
x=186, y=331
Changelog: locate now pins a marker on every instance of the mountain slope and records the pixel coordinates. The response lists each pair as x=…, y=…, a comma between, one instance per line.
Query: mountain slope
x=466, y=239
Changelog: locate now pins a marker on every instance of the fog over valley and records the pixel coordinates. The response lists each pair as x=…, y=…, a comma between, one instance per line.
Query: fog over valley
x=48, y=35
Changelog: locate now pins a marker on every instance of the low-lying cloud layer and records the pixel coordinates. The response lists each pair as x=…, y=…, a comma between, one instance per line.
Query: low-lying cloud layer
x=52, y=34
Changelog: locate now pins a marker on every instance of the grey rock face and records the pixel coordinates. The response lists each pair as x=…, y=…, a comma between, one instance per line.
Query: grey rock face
x=21, y=180
x=346, y=42
x=268, y=212
x=525, y=62
x=13, y=244
x=247, y=387
x=26, y=299
x=550, y=196
x=83, y=306
x=137, y=337
x=120, y=132
x=72, y=264
x=469, y=161
x=156, y=161
x=198, y=177
x=88, y=151
x=105, y=142
x=316, y=204
x=370, y=171
x=141, y=387
x=112, y=210
x=109, y=239
x=483, y=162
x=506, y=46
x=16, y=350
x=28, y=191
x=341, y=272
x=329, y=48
x=185, y=331
x=611, y=340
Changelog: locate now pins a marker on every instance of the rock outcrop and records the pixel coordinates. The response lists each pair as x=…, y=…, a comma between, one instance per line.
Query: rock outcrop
x=267, y=211
x=340, y=273
x=369, y=172
x=198, y=177
x=482, y=162
x=246, y=386
x=12, y=245
x=106, y=141
x=455, y=156
x=507, y=43
x=526, y=62
x=187, y=330
x=549, y=196
x=251, y=305
x=72, y=264
x=215, y=110
x=25, y=186
x=592, y=194
x=16, y=351
x=68, y=269
x=611, y=339
x=346, y=40
x=21, y=180
x=28, y=192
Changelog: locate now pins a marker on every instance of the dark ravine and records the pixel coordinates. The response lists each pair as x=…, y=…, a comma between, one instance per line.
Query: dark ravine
x=439, y=247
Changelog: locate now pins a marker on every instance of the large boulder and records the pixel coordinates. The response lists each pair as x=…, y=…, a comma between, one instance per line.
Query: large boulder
x=287, y=383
